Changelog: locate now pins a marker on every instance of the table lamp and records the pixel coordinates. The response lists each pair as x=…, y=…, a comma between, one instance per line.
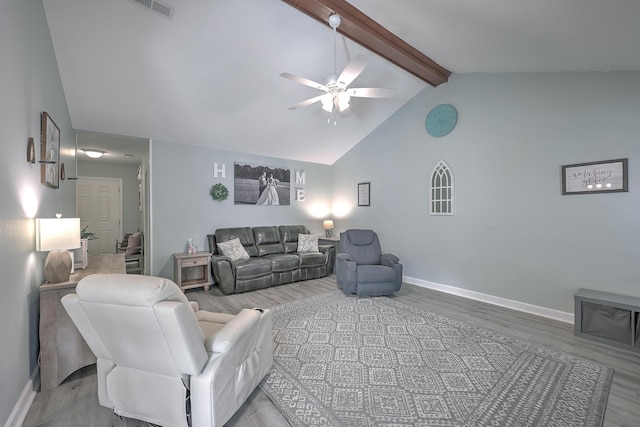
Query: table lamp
x=56, y=235
x=327, y=224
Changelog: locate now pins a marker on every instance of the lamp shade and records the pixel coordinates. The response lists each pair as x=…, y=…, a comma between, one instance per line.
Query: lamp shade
x=53, y=234
x=327, y=224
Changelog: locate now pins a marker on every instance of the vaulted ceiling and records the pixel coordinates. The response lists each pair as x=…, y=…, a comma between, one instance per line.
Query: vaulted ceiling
x=209, y=76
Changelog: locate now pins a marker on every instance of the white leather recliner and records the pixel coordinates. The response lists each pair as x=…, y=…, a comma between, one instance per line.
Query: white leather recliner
x=156, y=350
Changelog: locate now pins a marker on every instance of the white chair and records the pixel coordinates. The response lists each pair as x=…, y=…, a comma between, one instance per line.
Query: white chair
x=158, y=354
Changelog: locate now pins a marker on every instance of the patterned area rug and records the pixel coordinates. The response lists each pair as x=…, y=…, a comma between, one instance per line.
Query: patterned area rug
x=346, y=361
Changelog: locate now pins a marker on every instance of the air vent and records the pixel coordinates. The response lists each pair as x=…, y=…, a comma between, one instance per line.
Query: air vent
x=157, y=7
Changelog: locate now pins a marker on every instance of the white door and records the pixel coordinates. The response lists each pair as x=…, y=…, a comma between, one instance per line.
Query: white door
x=99, y=207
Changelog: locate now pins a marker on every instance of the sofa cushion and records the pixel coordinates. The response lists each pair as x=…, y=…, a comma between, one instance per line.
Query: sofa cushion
x=360, y=237
x=289, y=236
x=376, y=274
x=245, y=234
x=233, y=249
x=312, y=259
x=283, y=262
x=252, y=267
x=307, y=243
x=267, y=240
x=362, y=245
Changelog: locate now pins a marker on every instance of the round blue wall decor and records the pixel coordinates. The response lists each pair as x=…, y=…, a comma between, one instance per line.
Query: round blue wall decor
x=441, y=120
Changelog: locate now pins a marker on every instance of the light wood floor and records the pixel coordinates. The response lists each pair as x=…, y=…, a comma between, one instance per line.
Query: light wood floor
x=75, y=402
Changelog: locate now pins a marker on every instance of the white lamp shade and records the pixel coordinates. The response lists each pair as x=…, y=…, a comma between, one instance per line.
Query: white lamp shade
x=53, y=234
x=327, y=224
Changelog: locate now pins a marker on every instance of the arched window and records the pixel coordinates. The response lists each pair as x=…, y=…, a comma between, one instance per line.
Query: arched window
x=441, y=197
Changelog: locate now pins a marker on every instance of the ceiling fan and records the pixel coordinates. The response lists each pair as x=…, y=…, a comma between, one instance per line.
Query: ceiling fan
x=336, y=87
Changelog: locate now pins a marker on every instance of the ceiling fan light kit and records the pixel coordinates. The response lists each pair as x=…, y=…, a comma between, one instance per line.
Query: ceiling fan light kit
x=337, y=94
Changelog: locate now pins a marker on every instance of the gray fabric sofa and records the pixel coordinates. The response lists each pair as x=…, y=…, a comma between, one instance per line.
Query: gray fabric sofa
x=274, y=258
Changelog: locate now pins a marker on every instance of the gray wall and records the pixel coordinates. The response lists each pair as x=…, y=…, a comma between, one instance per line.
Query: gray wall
x=30, y=84
x=182, y=208
x=131, y=215
x=514, y=234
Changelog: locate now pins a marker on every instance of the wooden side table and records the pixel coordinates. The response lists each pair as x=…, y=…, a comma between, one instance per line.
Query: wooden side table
x=192, y=270
x=62, y=349
x=335, y=242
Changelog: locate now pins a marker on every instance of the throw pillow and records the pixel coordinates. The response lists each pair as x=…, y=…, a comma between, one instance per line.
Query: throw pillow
x=233, y=249
x=134, y=244
x=307, y=243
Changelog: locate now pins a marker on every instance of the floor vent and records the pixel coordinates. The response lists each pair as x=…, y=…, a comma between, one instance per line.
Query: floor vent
x=157, y=7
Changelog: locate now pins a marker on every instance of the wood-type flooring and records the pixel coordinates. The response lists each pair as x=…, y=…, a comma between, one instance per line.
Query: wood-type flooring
x=75, y=401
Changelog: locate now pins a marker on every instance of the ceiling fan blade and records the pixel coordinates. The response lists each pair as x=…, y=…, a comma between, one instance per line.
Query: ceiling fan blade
x=353, y=70
x=371, y=92
x=305, y=82
x=307, y=102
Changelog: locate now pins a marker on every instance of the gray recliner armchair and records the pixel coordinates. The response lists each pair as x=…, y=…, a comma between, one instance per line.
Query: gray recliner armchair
x=162, y=360
x=362, y=268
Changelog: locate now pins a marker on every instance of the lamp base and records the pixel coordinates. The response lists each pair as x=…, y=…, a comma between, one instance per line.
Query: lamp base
x=327, y=233
x=57, y=266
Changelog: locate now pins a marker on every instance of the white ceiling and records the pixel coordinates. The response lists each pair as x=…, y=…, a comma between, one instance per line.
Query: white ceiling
x=210, y=76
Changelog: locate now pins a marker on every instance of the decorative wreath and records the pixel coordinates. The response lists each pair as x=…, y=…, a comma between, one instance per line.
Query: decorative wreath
x=219, y=192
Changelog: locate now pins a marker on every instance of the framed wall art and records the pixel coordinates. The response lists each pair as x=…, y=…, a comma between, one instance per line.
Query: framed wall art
x=364, y=194
x=608, y=176
x=261, y=185
x=49, y=152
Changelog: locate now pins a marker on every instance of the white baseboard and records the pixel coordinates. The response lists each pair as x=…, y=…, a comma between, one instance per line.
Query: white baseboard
x=29, y=392
x=502, y=302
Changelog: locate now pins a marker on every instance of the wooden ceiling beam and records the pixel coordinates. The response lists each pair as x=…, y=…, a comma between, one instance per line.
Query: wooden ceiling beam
x=368, y=33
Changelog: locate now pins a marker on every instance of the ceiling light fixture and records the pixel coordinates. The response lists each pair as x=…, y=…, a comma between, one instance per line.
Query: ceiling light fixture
x=94, y=154
x=338, y=94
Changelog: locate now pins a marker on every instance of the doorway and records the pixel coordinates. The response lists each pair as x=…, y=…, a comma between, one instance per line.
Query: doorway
x=99, y=204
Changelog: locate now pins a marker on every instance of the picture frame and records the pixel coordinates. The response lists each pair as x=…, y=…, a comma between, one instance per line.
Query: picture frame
x=49, y=152
x=364, y=194
x=607, y=176
x=261, y=185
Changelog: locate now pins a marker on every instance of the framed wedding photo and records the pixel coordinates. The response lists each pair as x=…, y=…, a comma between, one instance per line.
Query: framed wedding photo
x=364, y=194
x=49, y=152
x=609, y=176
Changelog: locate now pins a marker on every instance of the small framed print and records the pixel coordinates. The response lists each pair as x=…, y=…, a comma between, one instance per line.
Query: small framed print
x=364, y=194
x=49, y=152
x=607, y=176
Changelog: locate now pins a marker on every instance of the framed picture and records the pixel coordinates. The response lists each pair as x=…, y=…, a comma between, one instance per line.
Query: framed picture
x=261, y=185
x=608, y=176
x=49, y=152
x=364, y=194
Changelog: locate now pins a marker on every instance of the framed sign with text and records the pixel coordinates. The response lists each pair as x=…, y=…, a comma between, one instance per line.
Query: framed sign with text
x=607, y=176
x=364, y=194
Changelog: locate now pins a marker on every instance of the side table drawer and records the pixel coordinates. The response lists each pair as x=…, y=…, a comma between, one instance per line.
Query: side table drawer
x=192, y=270
x=193, y=262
